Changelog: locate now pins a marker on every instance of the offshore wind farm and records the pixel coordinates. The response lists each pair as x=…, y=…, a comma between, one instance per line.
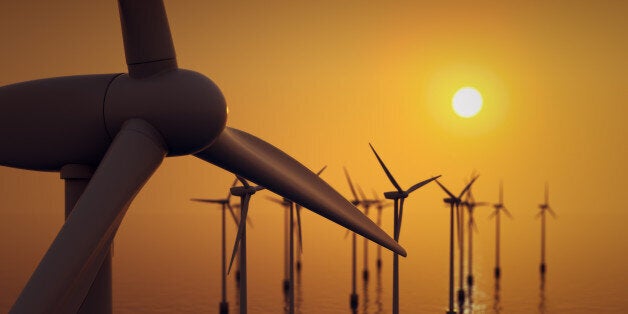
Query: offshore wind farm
x=523, y=94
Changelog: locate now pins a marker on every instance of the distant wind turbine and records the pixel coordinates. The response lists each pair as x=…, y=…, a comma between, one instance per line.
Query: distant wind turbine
x=244, y=192
x=289, y=284
x=454, y=202
x=545, y=207
x=398, y=196
x=353, y=297
x=471, y=204
x=499, y=207
x=379, y=205
x=366, y=204
x=224, y=305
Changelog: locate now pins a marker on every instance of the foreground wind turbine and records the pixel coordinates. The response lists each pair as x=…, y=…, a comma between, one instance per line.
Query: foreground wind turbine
x=379, y=205
x=224, y=305
x=545, y=207
x=471, y=204
x=398, y=196
x=239, y=248
x=499, y=207
x=123, y=125
x=454, y=202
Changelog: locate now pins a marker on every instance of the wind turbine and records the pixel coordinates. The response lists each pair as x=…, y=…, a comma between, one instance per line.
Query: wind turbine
x=379, y=205
x=471, y=204
x=224, y=305
x=287, y=222
x=353, y=297
x=244, y=192
x=123, y=126
x=499, y=207
x=366, y=204
x=545, y=207
x=398, y=196
x=454, y=201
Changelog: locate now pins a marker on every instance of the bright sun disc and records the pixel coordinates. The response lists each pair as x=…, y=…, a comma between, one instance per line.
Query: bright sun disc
x=467, y=102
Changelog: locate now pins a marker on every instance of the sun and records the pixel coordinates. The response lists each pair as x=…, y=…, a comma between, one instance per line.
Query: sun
x=467, y=102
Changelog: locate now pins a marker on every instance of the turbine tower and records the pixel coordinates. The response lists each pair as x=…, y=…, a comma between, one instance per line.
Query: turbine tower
x=224, y=203
x=244, y=192
x=454, y=202
x=398, y=196
x=545, y=207
x=122, y=126
x=499, y=207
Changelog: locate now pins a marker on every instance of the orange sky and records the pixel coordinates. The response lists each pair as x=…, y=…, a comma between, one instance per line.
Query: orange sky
x=321, y=80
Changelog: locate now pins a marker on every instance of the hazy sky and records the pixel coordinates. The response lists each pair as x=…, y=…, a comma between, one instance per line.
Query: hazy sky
x=322, y=79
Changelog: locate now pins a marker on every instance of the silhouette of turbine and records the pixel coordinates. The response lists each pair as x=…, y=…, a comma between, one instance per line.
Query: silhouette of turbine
x=353, y=297
x=471, y=204
x=454, y=202
x=543, y=209
x=224, y=305
x=288, y=283
x=124, y=125
x=244, y=192
x=366, y=204
x=499, y=207
x=379, y=205
x=398, y=196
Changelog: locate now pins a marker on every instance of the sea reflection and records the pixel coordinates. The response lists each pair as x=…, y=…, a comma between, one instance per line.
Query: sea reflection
x=496, y=302
x=542, y=295
x=379, y=305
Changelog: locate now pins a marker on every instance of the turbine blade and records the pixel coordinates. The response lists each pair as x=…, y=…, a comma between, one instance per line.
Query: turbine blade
x=239, y=152
x=445, y=189
x=244, y=182
x=362, y=195
x=507, y=212
x=67, y=270
x=375, y=196
x=148, y=44
x=388, y=174
x=206, y=200
x=233, y=215
x=241, y=227
x=466, y=188
x=422, y=183
x=549, y=209
x=355, y=196
x=299, y=229
x=546, y=193
x=321, y=171
x=538, y=215
x=401, y=201
x=501, y=192
x=493, y=214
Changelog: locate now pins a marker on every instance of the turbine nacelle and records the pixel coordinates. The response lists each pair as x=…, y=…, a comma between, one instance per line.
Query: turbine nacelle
x=395, y=195
x=73, y=119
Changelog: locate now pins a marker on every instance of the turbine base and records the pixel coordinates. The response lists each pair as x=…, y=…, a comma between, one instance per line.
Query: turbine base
x=353, y=301
x=224, y=307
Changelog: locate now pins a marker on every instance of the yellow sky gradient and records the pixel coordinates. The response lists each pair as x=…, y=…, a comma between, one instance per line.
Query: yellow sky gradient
x=321, y=80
